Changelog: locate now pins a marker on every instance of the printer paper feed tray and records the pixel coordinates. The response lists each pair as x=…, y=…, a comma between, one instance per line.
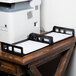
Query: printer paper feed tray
x=37, y=41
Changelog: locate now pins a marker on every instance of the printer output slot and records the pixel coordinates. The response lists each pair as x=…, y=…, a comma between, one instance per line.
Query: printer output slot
x=7, y=5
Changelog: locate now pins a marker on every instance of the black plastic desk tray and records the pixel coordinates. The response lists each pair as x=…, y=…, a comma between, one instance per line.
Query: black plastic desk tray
x=60, y=33
x=37, y=41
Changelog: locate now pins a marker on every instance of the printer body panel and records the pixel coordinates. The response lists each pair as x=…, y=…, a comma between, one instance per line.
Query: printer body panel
x=16, y=24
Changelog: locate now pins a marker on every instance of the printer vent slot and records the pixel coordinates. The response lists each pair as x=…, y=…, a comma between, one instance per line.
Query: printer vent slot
x=6, y=26
x=29, y=15
x=35, y=23
x=36, y=7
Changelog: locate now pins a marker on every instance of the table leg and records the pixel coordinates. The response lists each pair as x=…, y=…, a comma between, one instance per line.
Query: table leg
x=18, y=71
x=64, y=62
x=61, y=67
x=35, y=71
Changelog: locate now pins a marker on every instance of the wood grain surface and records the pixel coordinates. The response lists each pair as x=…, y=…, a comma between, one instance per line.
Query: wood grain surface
x=50, y=50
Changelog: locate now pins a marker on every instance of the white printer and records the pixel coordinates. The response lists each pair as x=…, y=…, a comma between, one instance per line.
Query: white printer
x=18, y=18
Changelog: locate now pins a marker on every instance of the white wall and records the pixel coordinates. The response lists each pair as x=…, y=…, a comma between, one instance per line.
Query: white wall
x=62, y=13
x=58, y=12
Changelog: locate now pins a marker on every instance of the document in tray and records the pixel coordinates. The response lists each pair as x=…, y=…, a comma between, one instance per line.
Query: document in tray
x=58, y=36
x=30, y=46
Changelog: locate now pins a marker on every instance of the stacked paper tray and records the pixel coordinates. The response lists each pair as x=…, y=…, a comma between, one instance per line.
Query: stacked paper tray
x=36, y=41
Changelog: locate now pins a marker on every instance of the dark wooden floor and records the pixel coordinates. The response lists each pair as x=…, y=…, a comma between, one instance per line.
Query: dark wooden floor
x=47, y=69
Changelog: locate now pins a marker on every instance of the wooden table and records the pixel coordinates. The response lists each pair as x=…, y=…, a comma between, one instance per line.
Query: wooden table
x=35, y=59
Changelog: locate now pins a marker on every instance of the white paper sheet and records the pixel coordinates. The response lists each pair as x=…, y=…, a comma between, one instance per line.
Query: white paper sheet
x=30, y=46
x=57, y=36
